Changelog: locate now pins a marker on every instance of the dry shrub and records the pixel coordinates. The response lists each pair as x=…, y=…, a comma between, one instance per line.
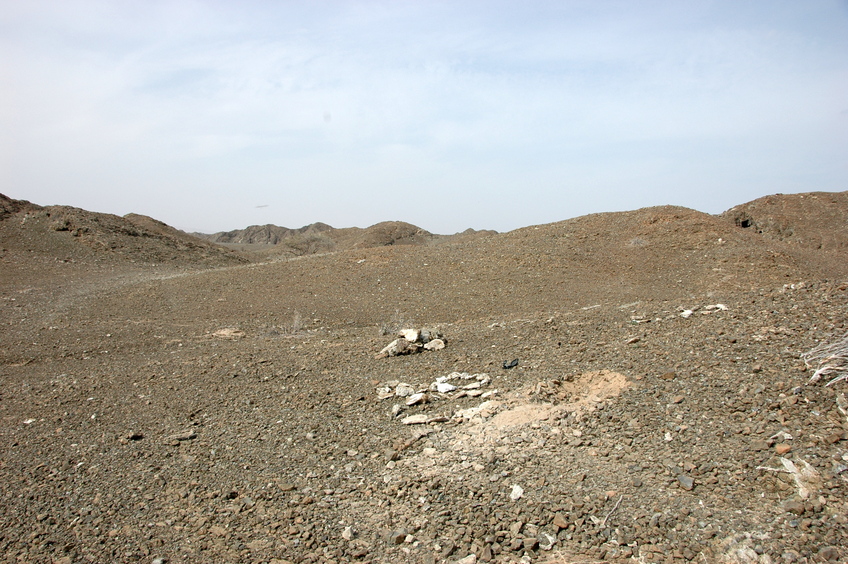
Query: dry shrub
x=829, y=359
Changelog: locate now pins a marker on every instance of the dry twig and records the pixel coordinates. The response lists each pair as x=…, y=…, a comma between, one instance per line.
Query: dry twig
x=614, y=507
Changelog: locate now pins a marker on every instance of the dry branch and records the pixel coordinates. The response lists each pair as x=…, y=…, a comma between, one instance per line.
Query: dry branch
x=830, y=359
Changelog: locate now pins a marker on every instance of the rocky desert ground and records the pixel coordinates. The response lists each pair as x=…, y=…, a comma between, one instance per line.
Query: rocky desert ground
x=164, y=398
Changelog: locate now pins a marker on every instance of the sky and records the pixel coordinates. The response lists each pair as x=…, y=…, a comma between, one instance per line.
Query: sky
x=212, y=115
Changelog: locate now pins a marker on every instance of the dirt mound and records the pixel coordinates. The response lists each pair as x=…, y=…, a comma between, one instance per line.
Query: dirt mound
x=392, y=233
x=9, y=206
x=238, y=414
x=815, y=220
x=56, y=242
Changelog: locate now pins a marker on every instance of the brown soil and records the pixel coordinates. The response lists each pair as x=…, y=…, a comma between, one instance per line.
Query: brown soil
x=165, y=398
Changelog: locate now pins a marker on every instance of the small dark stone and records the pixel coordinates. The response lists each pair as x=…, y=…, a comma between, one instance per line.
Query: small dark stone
x=686, y=482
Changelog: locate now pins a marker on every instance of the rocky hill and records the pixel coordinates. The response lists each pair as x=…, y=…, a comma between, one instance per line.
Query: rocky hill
x=620, y=387
x=272, y=241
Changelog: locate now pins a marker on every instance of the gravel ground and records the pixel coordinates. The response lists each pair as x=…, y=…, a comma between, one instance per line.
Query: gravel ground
x=233, y=413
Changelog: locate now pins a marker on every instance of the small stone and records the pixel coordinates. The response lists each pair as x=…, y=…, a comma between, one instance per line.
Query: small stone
x=183, y=436
x=435, y=345
x=834, y=438
x=347, y=534
x=686, y=482
x=417, y=419
x=410, y=335
x=678, y=399
x=486, y=554
x=829, y=553
x=404, y=390
x=782, y=448
x=668, y=376
x=218, y=531
x=444, y=387
x=516, y=493
x=414, y=399
x=397, y=537
x=560, y=521
x=438, y=419
x=470, y=559
x=158, y=561
x=546, y=541
x=794, y=506
x=385, y=392
x=530, y=543
x=759, y=445
x=791, y=556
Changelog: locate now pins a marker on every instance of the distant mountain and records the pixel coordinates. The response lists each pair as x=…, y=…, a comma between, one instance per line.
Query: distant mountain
x=273, y=240
x=263, y=234
x=76, y=234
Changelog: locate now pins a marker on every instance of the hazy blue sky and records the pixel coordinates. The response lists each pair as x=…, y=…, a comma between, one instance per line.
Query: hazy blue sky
x=215, y=115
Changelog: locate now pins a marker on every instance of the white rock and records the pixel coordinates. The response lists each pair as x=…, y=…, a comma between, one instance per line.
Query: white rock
x=486, y=406
x=384, y=392
x=686, y=314
x=347, y=534
x=444, y=387
x=404, y=390
x=470, y=559
x=390, y=349
x=546, y=541
x=472, y=386
x=417, y=419
x=420, y=397
x=410, y=335
x=435, y=345
x=516, y=493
